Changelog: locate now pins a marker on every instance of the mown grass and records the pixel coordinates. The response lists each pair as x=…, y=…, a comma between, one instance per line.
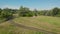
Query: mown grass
x=47, y=23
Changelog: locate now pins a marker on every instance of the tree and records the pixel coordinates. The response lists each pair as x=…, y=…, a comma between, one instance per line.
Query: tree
x=58, y=15
x=36, y=12
x=25, y=12
x=6, y=13
x=0, y=10
x=48, y=13
x=55, y=11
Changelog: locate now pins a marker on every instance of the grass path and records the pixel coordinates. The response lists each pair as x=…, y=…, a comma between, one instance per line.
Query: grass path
x=31, y=28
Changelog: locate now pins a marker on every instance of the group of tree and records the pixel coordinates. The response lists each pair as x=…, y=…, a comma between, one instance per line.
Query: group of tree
x=24, y=11
x=53, y=12
x=7, y=13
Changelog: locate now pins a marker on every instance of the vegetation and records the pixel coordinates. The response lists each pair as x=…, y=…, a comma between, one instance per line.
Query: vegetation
x=26, y=12
x=8, y=28
x=45, y=20
x=47, y=23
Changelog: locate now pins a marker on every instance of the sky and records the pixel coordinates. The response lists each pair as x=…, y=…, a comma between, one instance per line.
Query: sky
x=32, y=4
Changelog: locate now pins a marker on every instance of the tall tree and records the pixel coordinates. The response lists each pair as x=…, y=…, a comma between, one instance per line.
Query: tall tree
x=55, y=11
x=36, y=12
x=0, y=10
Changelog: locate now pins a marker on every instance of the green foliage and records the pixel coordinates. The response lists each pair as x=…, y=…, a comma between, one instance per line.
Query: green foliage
x=35, y=12
x=55, y=11
x=0, y=10
x=6, y=14
x=24, y=11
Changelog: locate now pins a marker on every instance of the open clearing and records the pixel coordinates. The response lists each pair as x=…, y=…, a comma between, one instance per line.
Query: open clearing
x=31, y=25
x=42, y=22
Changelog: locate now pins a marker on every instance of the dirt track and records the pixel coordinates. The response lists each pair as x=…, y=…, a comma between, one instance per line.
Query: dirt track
x=31, y=28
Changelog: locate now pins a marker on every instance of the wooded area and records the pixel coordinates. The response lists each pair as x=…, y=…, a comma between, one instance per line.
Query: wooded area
x=7, y=13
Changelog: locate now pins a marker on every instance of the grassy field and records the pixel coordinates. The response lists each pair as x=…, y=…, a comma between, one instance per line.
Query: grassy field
x=47, y=23
x=7, y=28
x=42, y=22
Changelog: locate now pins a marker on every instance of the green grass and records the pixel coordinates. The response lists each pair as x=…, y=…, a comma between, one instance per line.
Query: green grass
x=7, y=28
x=47, y=23
x=42, y=22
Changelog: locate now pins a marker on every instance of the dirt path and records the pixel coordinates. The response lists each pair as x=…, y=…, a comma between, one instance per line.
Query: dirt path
x=31, y=28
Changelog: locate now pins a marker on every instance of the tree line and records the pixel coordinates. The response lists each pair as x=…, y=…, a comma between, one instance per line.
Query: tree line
x=7, y=13
x=24, y=11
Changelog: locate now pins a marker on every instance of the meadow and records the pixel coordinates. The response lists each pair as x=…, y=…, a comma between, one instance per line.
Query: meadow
x=46, y=23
